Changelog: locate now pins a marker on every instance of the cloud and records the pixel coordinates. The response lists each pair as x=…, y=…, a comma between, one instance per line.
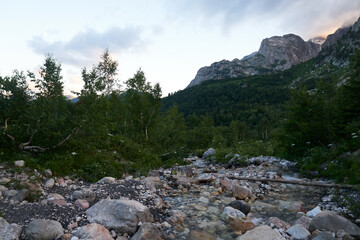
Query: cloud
x=81, y=49
x=308, y=17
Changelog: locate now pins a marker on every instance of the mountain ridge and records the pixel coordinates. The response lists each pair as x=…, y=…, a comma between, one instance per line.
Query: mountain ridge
x=276, y=53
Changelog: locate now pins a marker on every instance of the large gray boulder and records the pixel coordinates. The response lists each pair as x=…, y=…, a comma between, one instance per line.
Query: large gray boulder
x=40, y=229
x=330, y=221
x=298, y=232
x=122, y=215
x=9, y=231
x=262, y=232
x=209, y=152
x=93, y=231
x=148, y=231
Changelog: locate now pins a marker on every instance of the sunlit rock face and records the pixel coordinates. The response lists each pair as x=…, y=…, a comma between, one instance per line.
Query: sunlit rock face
x=275, y=54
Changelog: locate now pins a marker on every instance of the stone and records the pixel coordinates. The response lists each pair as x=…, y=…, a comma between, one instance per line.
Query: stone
x=107, y=180
x=205, y=178
x=60, y=202
x=176, y=217
x=240, y=225
x=153, y=183
x=121, y=215
x=3, y=188
x=298, y=232
x=278, y=223
x=5, y=180
x=148, y=231
x=241, y=205
x=262, y=232
x=330, y=221
x=204, y=200
x=48, y=173
x=197, y=235
x=21, y=195
x=234, y=213
x=10, y=193
x=86, y=194
x=82, y=203
x=304, y=221
x=40, y=229
x=209, y=152
x=225, y=184
x=50, y=183
x=53, y=196
x=323, y=236
x=186, y=170
x=66, y=236
x=240, y=192
x=93, y=231
x=9, y=231
x=158, y=202
x=19, y=163
x=313, y=212
x=186, y=182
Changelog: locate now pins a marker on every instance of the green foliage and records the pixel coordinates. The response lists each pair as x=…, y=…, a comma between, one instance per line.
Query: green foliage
x=255, y=148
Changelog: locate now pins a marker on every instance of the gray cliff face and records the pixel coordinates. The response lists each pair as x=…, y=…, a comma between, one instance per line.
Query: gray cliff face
x=283, y=52
x=275, y=54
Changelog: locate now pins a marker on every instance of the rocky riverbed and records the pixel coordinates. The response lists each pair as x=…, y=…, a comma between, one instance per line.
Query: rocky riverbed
x=201, y=200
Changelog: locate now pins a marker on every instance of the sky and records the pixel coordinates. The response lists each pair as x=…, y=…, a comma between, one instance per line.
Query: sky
x=168, y=39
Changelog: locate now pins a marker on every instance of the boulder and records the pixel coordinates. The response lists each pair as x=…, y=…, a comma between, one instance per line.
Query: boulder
x=107, y=180
x=82, y=203
x=176, y=217
x=209, y=152
x=48, y=173
x=121, y=215
x=240, y=225
x=240, y=192
x=225, y=184
x=313, y=212
x=278, y=223
x=148, y=231
x=262, y=232
x=9, y=231
x=324, y=236
x=197, y=235
x=93, y=231
x=304, y=221
x=332, y=222
x=234, y=213
x=21, y=195
x=50, y=183
x=19, y=163
x=86, y=194
x=40, y=229
x=205, y=178
x=241, y=205
x=298, y=232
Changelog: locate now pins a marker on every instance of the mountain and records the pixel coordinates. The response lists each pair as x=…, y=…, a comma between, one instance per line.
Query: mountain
x=250, y=98
x=275, y=54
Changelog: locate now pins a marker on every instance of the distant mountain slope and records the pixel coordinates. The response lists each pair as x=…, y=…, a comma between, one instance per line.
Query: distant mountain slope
x=251, y=98
x=275, y=54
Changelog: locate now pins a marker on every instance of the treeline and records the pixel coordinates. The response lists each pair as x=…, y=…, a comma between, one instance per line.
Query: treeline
x=111, y=130
x=322, y=128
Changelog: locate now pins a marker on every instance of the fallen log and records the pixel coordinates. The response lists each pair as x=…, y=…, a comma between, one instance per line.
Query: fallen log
x=315, y=184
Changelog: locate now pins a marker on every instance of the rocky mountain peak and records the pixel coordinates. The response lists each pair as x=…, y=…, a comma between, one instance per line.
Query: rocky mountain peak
x=275, y=54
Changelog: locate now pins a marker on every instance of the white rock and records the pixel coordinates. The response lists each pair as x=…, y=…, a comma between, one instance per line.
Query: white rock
x=50, y=183
x=313, y=212
x=234, y=213
x=19, y=163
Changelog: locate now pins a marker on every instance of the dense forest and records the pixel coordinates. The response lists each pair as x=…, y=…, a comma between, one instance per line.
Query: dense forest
x=309, y=114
